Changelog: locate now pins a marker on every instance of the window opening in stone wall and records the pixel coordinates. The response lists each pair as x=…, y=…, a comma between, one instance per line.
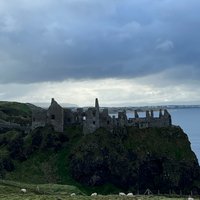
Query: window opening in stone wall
x=93, y=122
x=52, y=116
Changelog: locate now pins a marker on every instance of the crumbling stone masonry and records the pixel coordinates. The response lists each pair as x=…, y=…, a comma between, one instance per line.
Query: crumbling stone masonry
x=93, y=118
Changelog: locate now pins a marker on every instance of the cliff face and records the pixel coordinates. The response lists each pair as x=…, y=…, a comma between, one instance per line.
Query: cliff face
x=130, y=158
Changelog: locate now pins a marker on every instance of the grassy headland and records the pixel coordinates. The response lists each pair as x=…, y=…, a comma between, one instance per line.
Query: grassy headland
x=127, y=159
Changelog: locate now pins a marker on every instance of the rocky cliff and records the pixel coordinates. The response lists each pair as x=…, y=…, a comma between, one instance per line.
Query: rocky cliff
x=137, y=159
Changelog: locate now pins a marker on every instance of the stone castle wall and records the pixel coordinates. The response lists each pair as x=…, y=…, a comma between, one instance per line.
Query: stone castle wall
x=55, y=116
x=39, y=118
x=93, y=118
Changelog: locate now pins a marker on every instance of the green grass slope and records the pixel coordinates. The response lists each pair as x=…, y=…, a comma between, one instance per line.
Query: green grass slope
x=46, y=165
x=118, y=156
x=10, y=190
x=15, y=112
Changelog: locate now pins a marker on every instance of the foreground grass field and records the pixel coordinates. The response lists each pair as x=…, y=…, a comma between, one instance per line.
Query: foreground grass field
x=53, y=197
x=63, y=197
x=10, y=190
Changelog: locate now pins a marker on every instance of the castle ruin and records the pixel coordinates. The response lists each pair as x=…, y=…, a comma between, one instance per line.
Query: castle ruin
x=94, y=118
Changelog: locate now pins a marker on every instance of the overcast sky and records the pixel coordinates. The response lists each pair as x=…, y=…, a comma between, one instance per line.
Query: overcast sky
x=130, y=52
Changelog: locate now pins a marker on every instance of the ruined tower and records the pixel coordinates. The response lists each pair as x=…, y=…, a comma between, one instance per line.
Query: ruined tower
x=122, y=119
x=55, y=116
x=92, y=120
x=97, y=113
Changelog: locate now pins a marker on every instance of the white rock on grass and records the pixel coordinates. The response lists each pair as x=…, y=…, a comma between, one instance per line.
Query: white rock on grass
x=94, y=194
x=72, y=194
x=122, y=194
x=23, y=190
x=130, y=194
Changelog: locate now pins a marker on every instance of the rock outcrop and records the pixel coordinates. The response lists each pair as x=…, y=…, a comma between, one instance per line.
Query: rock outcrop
x=155, y=158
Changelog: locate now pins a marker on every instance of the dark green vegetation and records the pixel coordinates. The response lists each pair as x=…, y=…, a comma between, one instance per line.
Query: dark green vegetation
x=15, y=112
x=128, y=159
x=137, y=159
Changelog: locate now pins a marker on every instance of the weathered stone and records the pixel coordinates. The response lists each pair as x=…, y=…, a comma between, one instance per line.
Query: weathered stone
x=92, y=119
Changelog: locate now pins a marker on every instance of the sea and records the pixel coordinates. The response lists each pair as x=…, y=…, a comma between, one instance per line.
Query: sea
x=189, y=120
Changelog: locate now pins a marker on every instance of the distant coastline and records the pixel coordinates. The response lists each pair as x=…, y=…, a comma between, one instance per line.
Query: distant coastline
x=154, y=108
x=114, y=109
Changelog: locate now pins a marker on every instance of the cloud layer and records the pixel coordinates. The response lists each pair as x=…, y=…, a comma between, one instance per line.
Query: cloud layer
x=82, y=39
x=121, y=92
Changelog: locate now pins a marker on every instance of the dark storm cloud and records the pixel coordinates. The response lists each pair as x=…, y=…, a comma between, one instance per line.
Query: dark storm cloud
x=57, y=40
